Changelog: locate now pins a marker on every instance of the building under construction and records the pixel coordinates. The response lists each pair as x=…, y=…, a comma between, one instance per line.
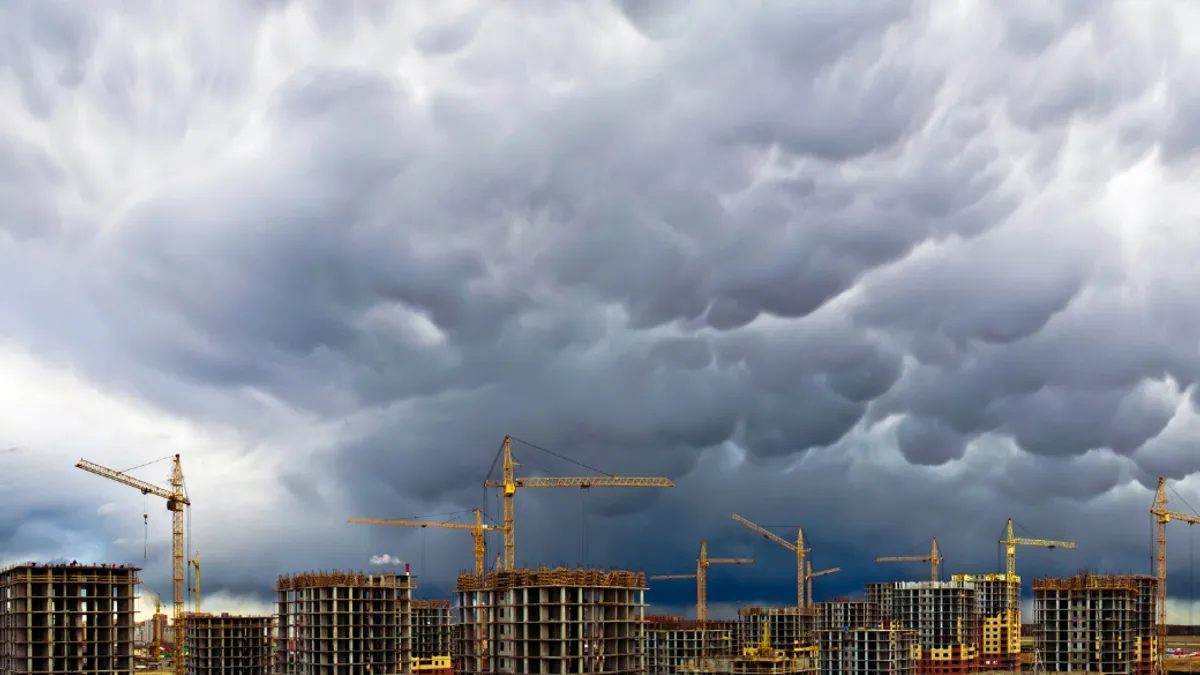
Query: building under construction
x=843, y=613
x=867, y=650
x=1096, y=623
x=673, y=641
x=68, y=618
x=344, y=623
x=228, y=645
x=999, y=636
x=880, y=593
x=760, y=659
x=944, y=617
x=552, y=622
x=790, y=629
x=433, y=635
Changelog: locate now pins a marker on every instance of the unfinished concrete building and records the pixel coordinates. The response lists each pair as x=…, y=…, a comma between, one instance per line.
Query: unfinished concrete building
x=673, y=641
x=943, y=615
x=1095, y=623
x=552, y=622
x=433, y=628
x=866, y=651
x=344, y=623
x=999, y=641
x=760, y=659
x=842, y=613
x=68, y=618
x=228, y=645
x=788, y=628
x=880, y=593
x=1145, y=617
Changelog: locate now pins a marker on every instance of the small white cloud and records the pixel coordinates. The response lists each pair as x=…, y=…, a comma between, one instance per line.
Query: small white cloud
x=386, y=559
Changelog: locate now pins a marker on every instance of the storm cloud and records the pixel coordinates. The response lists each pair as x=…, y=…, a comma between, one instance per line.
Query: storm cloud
x=889, y=271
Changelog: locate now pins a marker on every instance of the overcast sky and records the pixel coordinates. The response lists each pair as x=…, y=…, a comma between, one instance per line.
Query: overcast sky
x=888, y=270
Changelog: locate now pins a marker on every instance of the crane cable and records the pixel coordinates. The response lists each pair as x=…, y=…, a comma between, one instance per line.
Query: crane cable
x=145, y=527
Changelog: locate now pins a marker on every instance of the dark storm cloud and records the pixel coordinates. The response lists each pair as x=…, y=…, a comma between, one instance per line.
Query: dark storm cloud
x=788, y=254
x=928, y=442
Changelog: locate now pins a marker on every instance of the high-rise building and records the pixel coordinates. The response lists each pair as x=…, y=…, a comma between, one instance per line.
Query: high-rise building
x=552, y=622
x=68, y=618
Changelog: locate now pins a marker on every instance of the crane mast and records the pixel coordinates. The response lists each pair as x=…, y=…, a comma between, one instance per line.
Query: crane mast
x=1162, y=517
x=701, y=577
x=176, y=500
x=1011, y=542
x=510, y=482
x=934, y=559
x=797, y=548
x=477, y=531
x=809, y=575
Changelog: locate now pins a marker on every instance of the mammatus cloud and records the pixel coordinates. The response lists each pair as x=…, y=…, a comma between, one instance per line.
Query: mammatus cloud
x=811, y=268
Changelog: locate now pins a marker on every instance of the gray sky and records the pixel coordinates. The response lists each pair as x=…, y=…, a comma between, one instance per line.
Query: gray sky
x=887, y=270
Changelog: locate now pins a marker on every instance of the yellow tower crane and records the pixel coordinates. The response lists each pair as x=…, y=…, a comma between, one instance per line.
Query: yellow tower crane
x=176, y=501
x=509, y=484
x=934, y=559
x=809, y=575
x=1162, y=517
x=701, y=577
x=477, y=531
x=797, y=548
x=196, y=584
x=1011, y=543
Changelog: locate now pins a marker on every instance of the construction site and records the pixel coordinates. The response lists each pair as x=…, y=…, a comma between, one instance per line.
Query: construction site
x=505, y=620
x=221, y=644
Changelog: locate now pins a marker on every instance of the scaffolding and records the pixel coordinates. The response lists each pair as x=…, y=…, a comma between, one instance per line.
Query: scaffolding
x=344, y=623
x=1099, y=623
x=228, y=645
x=68, y=618
x=552, y=622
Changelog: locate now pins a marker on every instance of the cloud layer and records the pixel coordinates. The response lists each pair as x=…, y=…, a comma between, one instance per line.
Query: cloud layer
x=888, y=271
